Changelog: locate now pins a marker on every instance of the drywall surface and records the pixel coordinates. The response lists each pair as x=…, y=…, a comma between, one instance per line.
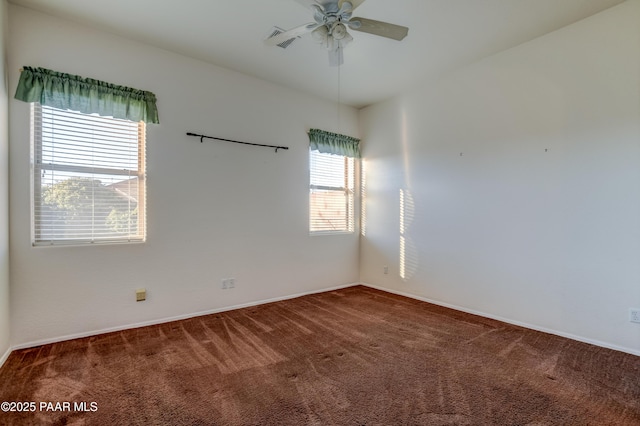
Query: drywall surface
x=511, y=187
x=5, y=330
x=215, y=210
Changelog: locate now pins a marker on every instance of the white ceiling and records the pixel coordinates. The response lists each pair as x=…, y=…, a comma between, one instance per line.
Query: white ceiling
x=443, y=34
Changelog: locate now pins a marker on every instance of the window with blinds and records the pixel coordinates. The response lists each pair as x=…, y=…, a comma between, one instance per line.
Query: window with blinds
x=88, y=178
x=331, y=190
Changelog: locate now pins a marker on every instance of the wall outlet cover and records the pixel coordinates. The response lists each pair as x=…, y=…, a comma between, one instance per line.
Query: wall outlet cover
x=141, y=294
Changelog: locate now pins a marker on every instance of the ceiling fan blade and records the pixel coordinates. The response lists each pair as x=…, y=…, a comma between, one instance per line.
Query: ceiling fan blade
x=354, y=3
x=293, y=33
x=383, y=29
x=336, y=57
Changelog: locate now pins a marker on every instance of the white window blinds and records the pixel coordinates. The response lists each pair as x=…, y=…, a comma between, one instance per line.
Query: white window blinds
x=88, y=178
x=331, y=191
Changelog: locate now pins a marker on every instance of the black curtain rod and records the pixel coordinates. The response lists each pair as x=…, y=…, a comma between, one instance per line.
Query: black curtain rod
x=244, y=143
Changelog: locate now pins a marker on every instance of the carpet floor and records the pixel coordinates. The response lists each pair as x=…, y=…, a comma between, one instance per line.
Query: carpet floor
x=356, y=356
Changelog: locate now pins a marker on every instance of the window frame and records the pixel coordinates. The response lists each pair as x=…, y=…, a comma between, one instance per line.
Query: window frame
x=348, y=189
x=38, y=165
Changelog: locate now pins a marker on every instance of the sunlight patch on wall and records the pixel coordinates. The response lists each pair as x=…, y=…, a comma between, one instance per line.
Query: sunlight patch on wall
x=405, y=148
x=363, y=197
x=408, y=252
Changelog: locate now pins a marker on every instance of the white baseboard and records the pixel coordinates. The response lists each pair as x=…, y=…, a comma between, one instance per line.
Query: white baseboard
x=293, y=296
x=5, y=356
x=509, y=321
x=170, y=319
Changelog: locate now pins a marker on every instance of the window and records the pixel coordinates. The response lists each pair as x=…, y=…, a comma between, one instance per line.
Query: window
x=331, y=191
x=88, y=178
x=88, y=157
x=331, y=181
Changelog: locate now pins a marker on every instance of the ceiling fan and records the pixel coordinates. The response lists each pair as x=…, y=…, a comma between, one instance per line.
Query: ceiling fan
x=331, y=20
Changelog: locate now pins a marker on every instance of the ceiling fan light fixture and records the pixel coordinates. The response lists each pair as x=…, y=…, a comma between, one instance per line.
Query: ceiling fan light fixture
x=339, y=31
x=320, y=34
x=346, y=40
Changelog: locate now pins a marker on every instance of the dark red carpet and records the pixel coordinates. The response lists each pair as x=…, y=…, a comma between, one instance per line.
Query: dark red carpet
x=356, y=356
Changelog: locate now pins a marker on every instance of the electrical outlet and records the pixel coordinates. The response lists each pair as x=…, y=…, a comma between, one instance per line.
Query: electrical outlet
x=634, y=315
x=227, y=283
x=386, y=269
x=141, y=295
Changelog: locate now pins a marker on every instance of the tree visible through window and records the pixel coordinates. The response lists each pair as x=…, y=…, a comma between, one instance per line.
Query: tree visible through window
x=88, y=181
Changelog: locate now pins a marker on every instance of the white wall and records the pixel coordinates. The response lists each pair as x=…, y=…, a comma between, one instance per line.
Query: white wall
x=215, y=210
x=538, y=221
x=5, y=330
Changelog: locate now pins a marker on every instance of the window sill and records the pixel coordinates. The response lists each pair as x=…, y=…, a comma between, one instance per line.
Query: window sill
x=322, y=233
x=84, y=243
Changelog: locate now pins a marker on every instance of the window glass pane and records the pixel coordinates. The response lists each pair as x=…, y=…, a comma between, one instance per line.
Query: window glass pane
x=88, y=178
x=327, y=170
x=73, y=138
x=329, y=210
x=332, y=181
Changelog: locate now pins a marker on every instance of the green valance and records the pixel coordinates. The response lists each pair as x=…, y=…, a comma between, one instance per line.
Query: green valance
x=66, y=91
x=334, y=143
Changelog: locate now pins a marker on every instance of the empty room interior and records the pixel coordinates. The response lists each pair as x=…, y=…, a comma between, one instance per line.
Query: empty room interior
x=432, y=215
